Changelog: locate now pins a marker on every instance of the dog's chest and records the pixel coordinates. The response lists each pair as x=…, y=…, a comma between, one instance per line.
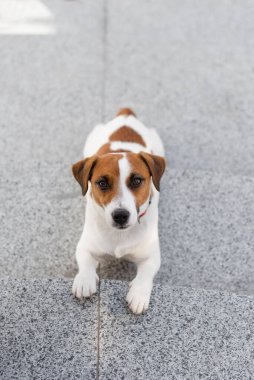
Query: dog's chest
x=117, y=253
x=117, y=250
x=126, y=246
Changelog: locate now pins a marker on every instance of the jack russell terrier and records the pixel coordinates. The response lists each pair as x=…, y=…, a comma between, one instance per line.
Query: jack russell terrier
x=120, y=176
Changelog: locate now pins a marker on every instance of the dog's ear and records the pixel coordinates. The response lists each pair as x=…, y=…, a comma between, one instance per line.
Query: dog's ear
x=156, y=166
x=82, y=172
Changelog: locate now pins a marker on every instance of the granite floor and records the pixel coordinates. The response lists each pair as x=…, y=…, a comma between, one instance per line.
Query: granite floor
x=187, y=69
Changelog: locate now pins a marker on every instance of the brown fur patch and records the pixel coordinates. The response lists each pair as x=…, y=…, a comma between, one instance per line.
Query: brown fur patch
x=82, y=171
x=104, y=149
x=127, y=134
x=156, y=166
x=106, y=166
x=139, y=167
x=126, y=112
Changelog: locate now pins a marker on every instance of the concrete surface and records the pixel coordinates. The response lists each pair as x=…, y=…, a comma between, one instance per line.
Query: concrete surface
x=186, y=334
x=51, y=86
x=41, y=220
x=206, y=228
x=186, y=67
x=50, y=99
x=45, y=333
x=207, y=231
x=57, y=87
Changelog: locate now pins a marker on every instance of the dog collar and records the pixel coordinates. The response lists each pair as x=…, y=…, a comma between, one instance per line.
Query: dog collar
x=144, y=212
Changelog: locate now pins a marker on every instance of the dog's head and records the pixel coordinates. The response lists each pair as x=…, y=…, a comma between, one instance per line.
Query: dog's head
x=121, y=184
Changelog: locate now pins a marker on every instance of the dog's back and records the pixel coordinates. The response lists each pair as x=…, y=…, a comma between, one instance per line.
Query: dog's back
x=125, y=133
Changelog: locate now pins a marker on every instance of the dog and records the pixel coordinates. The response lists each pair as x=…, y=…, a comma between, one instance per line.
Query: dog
x=120, y=177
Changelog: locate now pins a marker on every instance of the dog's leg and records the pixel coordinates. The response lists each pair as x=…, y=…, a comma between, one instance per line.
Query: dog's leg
x=139, y=293
x=85, y=282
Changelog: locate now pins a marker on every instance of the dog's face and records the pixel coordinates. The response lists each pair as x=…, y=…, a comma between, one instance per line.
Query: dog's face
x=120, y=184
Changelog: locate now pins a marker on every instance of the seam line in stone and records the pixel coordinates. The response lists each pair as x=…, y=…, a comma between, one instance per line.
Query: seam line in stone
x=104, y=58
x=103, y=111
x=98, y=331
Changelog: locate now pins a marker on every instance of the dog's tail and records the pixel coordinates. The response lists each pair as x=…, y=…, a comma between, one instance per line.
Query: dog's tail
x=125, y=112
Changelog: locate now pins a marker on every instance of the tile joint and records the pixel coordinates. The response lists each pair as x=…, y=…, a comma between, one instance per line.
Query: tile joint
x=103, y=115
x=104, y=58
x=98, y=332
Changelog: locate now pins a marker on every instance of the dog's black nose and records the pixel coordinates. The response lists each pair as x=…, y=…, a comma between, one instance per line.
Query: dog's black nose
x=120, y=216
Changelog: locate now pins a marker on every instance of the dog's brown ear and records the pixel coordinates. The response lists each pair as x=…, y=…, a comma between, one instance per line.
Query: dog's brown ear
x=82, y=172
x=156, y=166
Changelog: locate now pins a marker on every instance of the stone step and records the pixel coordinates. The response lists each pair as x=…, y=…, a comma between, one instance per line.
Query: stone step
x=186, y=333
x=206, y=227
x=206, y=230
x=45, y=332
x=41, y=220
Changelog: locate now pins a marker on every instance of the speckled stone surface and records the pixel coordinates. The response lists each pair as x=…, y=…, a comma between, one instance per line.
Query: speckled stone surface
x=117, y=269
x=45, y=333
x=52, y=86
x=206, y=229
x=186, y=67
x=51, y=97
x=186, y=334
x=41, y=220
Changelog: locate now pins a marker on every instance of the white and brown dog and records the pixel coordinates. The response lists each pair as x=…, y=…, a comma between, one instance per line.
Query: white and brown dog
x=120, y=176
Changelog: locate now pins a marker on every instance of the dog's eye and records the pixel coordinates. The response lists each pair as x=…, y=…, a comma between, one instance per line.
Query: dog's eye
x=103, y=184
x=136, y=181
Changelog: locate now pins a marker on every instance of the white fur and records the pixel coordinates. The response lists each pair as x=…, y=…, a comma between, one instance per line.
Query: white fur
x=138, y=243
x=133, y=147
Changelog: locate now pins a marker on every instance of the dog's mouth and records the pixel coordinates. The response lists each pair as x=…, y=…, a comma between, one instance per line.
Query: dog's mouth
x=121, y=227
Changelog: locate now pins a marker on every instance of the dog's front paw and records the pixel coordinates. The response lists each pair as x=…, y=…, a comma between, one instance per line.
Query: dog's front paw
x=85, y=285
x=138, y=296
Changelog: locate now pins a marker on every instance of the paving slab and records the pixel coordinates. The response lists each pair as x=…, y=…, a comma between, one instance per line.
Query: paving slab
x=207, y=231
x=186, y=67
x=206, y=228
x=51, y=98
x=205, y=225
x=52, y=86
x=186, y=334
x=45, y=333
x=41, y=220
